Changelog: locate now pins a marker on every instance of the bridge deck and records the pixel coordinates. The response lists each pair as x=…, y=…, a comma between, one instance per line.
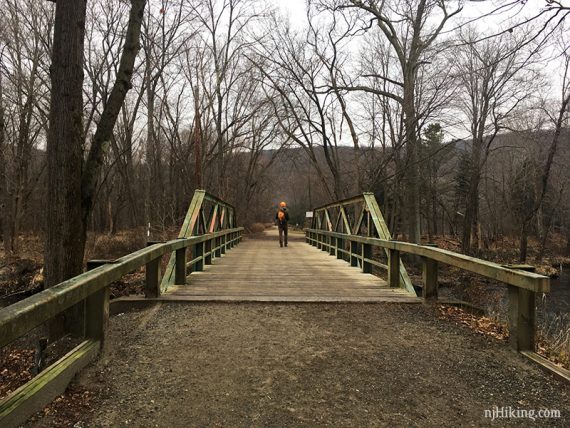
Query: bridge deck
x=259, y=270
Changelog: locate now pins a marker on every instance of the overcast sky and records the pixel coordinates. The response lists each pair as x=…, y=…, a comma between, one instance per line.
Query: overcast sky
x=511, y=11
x=295, y=9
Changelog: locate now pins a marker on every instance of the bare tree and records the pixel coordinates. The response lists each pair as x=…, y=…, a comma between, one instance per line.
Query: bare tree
x=496, y=79
x=558, y=120
x=224, y=24
x=162, y=41
x=297, y=82
x=71, y=181
x=2, y=153
x=23, y=57
x=411, y=27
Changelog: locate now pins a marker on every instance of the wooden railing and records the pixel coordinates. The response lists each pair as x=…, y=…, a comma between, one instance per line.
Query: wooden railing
x=91, y=290
x=522, y=286
x=206, y=214
x=359, y=215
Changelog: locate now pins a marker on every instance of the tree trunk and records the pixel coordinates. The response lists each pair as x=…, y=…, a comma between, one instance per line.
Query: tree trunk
x=111, y=111
x=523, y=249
x=64, y=237
x=197, y=141
x=471, y=218
x=2, y=164
x=150, y=155
x=64, y=234
x=434, y=208
x=71, y=188
x=412, y=168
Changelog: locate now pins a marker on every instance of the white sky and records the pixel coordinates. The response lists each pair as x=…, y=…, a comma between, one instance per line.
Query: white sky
x=295, y=10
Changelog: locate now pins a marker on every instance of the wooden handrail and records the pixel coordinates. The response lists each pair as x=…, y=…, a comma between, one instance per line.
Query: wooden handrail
x=522, y=285
x=519, y=278
x=25, y=315
x=90, y=291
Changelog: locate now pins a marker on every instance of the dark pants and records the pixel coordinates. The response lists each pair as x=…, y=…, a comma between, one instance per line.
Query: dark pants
x=282, y=233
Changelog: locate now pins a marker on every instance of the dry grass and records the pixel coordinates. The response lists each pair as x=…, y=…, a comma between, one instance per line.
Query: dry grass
x=553, y=335
x=114, y=246
x=257, y=228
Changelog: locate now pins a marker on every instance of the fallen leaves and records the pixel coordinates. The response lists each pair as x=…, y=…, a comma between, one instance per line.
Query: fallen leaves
x=70, y=409
x=15, y=368
x=480, y=324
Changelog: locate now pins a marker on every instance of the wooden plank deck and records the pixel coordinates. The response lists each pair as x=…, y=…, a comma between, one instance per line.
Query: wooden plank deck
x=259, y=270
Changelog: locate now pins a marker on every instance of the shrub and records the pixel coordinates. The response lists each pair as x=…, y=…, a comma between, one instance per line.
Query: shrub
x=257, y=228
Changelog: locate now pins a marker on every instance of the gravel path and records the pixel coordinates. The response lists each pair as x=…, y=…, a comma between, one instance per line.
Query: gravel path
x=242, y=365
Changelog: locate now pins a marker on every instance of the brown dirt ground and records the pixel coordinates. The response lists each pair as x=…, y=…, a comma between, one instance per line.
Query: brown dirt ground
x=242, y=365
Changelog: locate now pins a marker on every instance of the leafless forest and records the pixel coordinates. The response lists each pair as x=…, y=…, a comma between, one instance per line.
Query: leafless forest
x=454, y=113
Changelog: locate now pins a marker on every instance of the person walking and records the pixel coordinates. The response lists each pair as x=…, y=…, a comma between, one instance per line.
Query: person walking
x=282, y=219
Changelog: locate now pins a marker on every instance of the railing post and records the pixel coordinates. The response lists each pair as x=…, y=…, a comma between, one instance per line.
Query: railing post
x=198, y=251
x=326, y=243
x=333, y=248
x=180, y=267
x=97, y=309
x=223, y=244
x=319, y=244
x=429, y=274
x=218, y=245
x=366, y=254
x=393, y=268
x=208, y=252
x=339, y=248
x=353, y=253
x=522, y=318
x=152, y=283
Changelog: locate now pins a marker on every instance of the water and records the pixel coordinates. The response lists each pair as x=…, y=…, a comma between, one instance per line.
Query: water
x=557, y=302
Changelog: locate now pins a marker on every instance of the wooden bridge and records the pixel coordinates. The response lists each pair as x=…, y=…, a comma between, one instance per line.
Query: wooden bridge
x=338, y=259
x=259, y=270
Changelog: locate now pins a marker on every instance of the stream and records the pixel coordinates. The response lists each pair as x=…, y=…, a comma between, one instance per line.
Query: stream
x=557, y=302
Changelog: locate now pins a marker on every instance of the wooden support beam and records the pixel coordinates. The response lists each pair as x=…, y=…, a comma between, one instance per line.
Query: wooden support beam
x=366, y=254
x=522, y=318
x=430, y=278
x=33, y=396
x=97, y=309
x=353, y=253
x=97, y=315
x=218, y=251
x=152, y=283
x=198, y=251
x=394, y=268
x=333, y=249
x=339, y=248
x=208, y=252
x=180, y=266
x=548, y=366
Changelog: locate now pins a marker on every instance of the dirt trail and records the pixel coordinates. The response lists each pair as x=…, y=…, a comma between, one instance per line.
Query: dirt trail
x=242, y=365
